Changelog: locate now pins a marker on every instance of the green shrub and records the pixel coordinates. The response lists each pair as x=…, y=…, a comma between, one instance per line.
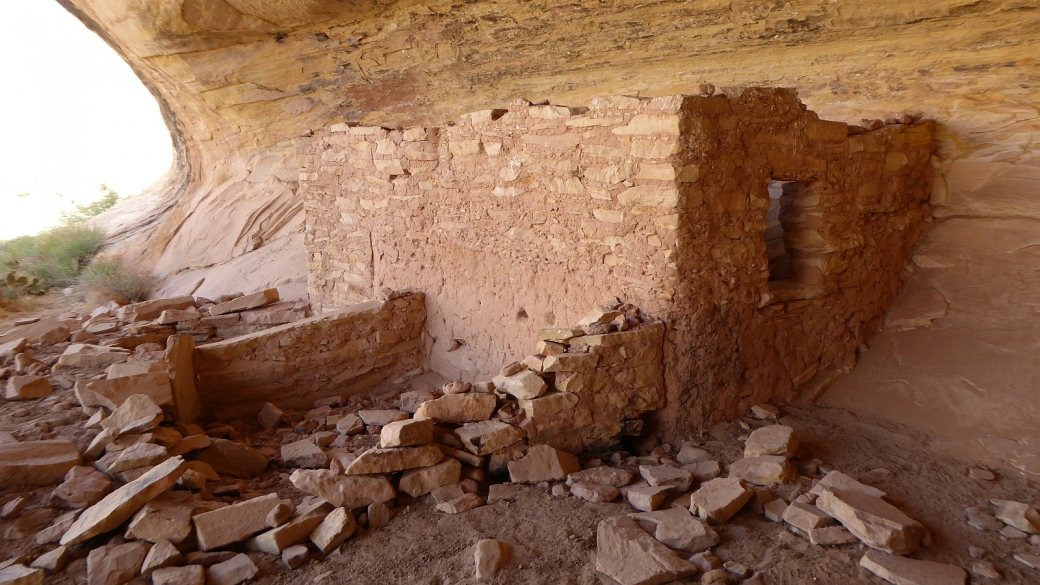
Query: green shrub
x=115, y=279
x=84, y=212
x=55, y=256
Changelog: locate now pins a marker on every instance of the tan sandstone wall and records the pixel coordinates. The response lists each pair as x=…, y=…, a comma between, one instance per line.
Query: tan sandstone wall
x=516, y=220
x=340, y=353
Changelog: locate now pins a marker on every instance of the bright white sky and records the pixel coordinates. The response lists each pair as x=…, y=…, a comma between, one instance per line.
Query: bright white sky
x=72, y=116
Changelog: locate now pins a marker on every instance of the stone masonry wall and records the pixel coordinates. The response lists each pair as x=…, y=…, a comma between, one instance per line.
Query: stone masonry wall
x=342, y=352
x=516, y=220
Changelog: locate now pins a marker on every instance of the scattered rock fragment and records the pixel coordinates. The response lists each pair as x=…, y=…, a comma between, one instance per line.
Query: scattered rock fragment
x=980, y=520
x=343, y=490
x=771, y=440
x=665, y=475
x=189, y=575
x=460, y=505
x=270, y=416
x=630, y=556
x=690, y=453
x=52, y=561
x=806, y=517
x=304, y=454
x=418, y=482
x=763, y=470
x=167, y=517
x=523, y=385
x=115, y=564
x=775, y=510
x=233, y=571
x=1019, y=515
x=603, y=475
x=903, y=571
x=336, y=528
x=295, y=556
x=13, y=507
x=838, y=480
x=648, y=499
x=831, y=536
x=458, y=408
x=1031, y=561
x=118, y=506
x=765, y=411
x=233, y=523
x=983, y=474
x=490, y=556
x=406, y=433
x=543, y=463
x=677, y=529
x=985, y=569
x=138, y=414
x=398, y=459
x=719, y=499
x=234, y=458
x=874, y=521
x=246, y=302
x=82, y=355
x=162, y=554
x=21, y=575
x=33, y=463
x=486, y=437
x=27, y=387
x=592, y=492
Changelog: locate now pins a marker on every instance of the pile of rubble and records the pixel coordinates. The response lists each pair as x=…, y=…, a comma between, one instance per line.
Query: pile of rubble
x=154, y=495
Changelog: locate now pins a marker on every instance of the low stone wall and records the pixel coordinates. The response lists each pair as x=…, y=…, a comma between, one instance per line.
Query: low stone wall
x=342, y=352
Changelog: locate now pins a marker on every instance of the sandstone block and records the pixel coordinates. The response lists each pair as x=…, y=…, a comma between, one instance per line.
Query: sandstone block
x=411, y=400
x=115, y=564
x=406, y=433
x=350, y=425
x=118, y=506
x=458, y=408
x=677, y=529
x=838, y=480
x=1021, y=516
x=166, y=518
x=189, y=444
x=486, y=437
x=543, y=463
x=831, y=536
x=233, y=523
x=665, y=475
x=381, y=418
x=630, y=556
x=490, y=556
x=690, y=453
x=27, y=387
x=765, y=411
x=244, y=303
x=903, y=571
x=10, y=349
x=162, y=554
x=460, y=505
x=775, y=510
x=296, y=556
x=1029, y=560
x=806, y=517
x=647, y=499
x=174, y=316
x=763, y=470
x=148, y=310
x=234, y=458
x=82, y=355
x=649, y=124
x=304, y=454
x=378, y=515
x=874, y=521
x=233, y=571
x=719, y=499
x=649, y=196
x=21, y=575
x=280, y=514
x=390, y=460
x=603, y=475
x=336, y=528
x=703, y=471
x=343, y=490
x=523, y=385
x=417, y=482
x=594, y=492
x=270, y=416
x=53, y=561
x=189, y=575
x=137, y=456
x=33, y=463
x=570, y=362
x=138, y=414
x=180, y=356
x=297, y=530
x=771, y=440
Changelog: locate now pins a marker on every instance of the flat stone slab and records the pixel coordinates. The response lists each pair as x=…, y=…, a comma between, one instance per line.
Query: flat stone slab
x=719, y=499
x=763, y=470
x=458, y=408
x=592, y=492
x=35, y=463
x=523, y=385
x=677, y=529
x=486, y=437
x=418, y=482
x=904, y=571
x=118, y=506
x=806, y=517
x=234, y=523
x=603, y=475
x=304, y=454
x=349, y=491
x=647, y=499
x=296, y=531
x=399, y=459
x=838, y=480
x=246, y=302
x=381, y=418
x=407, y=433
x=665, y=475
x=771, y=440
x=543, y=463
x=630, y=556
x=874, y=521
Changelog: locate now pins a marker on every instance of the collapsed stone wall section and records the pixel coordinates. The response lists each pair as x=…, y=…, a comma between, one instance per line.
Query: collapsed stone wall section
x=515, y=220
x=340, y=353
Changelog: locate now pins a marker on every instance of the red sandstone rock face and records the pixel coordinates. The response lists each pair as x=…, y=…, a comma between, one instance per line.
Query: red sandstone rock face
x=239, y=80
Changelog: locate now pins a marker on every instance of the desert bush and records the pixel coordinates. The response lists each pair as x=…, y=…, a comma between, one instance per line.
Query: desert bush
x=84, y=212
x=116, y=279
x=55, y=256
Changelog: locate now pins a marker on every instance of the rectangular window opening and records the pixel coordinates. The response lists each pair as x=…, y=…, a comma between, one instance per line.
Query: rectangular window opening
x=777, y=254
